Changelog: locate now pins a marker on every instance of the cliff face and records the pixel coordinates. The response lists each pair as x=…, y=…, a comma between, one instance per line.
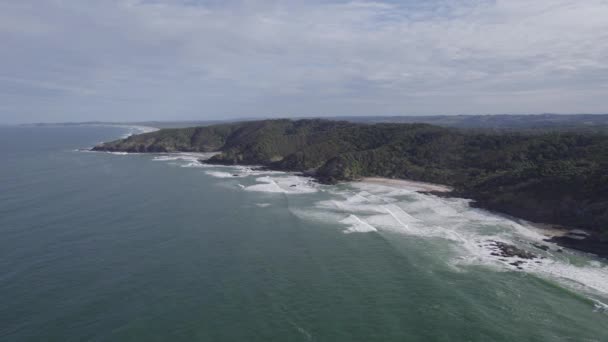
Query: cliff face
x=553, y=178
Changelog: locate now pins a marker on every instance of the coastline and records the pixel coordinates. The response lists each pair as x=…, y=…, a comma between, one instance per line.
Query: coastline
x=554, y=233
x=134, y=129
x=140, y=129
x=143, y=129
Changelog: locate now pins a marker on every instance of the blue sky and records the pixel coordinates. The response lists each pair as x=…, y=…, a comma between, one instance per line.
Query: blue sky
x=122, y=60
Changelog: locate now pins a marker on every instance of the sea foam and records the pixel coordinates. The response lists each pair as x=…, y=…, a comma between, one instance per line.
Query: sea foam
x=365, y=208
x=221, y=174
x=356, y=225
x=284, y=184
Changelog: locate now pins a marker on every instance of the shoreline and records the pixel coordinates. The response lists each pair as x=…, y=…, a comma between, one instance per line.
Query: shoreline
x=140, y=129
x=143, y=129
x=554, y=233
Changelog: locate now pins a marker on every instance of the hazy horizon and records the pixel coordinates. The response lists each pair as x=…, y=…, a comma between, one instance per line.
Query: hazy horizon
x=181, y=60
x=237, y=119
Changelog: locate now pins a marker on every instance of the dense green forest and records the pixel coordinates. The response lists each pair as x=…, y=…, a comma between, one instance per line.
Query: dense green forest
x=552, y=177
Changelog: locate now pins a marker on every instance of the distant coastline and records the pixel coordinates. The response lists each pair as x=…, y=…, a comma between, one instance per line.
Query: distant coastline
x=141, y=128
x=588, y=123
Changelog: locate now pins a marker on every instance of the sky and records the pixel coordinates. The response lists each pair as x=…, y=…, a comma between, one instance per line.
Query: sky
x=135, y=60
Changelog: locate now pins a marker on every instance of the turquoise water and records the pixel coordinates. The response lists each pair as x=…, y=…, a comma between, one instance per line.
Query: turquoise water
x=103, y=247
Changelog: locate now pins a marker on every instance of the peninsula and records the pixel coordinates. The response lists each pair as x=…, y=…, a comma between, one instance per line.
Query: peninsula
x=549, y=177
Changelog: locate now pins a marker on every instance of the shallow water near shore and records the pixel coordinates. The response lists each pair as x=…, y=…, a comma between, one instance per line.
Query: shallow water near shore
x=112, y=247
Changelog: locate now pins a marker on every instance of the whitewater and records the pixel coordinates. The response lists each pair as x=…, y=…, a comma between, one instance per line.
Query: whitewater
x=366, y=207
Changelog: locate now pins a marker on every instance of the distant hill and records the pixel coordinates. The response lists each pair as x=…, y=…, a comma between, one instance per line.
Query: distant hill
x=553, y=177
x=592, y=123
x=532, y=123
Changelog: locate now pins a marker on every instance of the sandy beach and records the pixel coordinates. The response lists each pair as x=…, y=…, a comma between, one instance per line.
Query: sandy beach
x=402, y=183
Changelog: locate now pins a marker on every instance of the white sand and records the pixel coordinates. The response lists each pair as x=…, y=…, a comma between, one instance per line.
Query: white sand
x=407, y=184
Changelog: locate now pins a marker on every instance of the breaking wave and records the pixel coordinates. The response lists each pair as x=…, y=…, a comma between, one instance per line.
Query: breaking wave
x=471, y=232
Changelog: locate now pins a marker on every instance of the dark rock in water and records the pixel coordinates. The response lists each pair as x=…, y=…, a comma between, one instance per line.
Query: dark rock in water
x=517, y=263
x=541, y=247
x=509, y=251
x=292, y=186
x=235, y=175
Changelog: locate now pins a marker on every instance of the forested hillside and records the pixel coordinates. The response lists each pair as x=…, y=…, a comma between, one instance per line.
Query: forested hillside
x=550, y=177
x=530, y=123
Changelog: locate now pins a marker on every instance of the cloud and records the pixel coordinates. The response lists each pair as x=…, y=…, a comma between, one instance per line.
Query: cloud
x=180, y=59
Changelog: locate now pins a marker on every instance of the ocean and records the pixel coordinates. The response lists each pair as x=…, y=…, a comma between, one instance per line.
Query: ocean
x=144, y=247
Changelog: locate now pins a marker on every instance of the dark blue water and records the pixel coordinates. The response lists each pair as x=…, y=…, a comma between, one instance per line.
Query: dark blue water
x=100, y=247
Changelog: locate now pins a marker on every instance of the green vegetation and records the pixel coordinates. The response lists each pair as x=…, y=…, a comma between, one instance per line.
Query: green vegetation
x=535, y=123
x=547, y=177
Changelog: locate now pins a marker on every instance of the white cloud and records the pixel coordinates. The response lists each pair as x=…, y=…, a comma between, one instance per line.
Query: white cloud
x=129, y=59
